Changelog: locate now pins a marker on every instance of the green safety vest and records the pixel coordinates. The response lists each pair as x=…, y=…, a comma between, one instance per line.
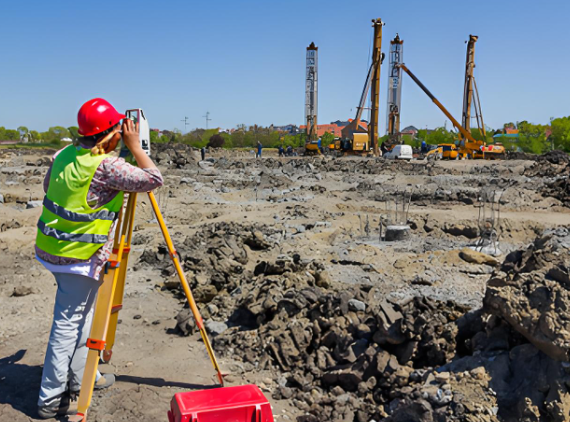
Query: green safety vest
x=68, y=226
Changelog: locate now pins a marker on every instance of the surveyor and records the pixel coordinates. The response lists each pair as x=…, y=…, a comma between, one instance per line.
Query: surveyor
x=84, y=196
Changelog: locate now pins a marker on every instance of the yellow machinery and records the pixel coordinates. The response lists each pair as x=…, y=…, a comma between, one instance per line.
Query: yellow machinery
x=449, y=151
x=360, y=143
x=445, y=152
x=469, y=147
x=334, y=146
x=313, y=148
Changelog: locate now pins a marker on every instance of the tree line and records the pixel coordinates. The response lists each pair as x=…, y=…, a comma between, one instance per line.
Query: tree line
x=242, y=137
x=53, y=135
x=532, y=138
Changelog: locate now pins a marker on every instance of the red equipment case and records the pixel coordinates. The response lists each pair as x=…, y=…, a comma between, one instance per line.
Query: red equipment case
x=243, y=403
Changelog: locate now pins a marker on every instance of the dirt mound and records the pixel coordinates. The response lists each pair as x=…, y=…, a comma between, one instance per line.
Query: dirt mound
x=519, y=155
x=554, y=157
x=348, y=354
x=530, y=291
x=175, y=155
x=559, y=189
x=340, y=354
x=551, y=164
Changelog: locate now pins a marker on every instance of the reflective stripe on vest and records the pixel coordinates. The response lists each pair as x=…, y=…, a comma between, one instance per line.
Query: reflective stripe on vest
x=75, y=216
x=72, y=237
x=68, y=226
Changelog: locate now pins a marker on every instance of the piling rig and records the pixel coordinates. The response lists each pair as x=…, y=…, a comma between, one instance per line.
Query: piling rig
x=355, y=139
x=471, y=99
x=394, y=92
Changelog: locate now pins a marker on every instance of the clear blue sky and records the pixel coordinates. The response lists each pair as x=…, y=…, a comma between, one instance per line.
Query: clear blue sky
x=244, y=60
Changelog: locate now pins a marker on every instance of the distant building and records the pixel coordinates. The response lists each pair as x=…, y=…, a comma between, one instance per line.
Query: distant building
x=288, y=129
x=508, y=133
x=409, y=130
x=350, y=128
x=322, y=129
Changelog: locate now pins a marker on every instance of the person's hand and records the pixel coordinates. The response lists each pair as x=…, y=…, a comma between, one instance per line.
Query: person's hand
x=131, y=135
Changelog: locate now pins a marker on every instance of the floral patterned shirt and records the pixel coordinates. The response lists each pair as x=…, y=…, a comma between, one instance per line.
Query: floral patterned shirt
x=111, y=177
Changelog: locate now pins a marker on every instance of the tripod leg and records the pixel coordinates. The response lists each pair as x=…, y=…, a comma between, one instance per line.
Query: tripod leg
x=96, y=342
x=103, y=305
x=117, y=304
x=185, y=286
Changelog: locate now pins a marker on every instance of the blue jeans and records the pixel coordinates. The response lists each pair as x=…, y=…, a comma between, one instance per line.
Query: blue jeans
x=66, y=353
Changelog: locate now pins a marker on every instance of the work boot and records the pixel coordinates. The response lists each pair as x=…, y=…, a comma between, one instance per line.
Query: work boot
x=105, y=381
x=66, y=406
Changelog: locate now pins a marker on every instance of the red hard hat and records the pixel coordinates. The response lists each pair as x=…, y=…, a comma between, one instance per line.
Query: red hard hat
x=96, y=116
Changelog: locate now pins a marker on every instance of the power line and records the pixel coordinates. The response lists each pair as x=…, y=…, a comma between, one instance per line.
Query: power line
x=207, y=116
x=185, y=121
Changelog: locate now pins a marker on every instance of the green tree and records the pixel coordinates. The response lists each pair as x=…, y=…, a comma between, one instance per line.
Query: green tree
x=35, y=135
x=561, y=133
x=327, y=139
x=216, y=141
x=55, y=134
x=437, y=136
x=12, y=134
x=532, y=138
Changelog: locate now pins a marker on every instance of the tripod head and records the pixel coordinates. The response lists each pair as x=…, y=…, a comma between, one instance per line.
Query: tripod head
x=137, y=116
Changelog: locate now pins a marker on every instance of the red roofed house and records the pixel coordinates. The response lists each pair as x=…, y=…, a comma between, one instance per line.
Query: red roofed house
x=337, y=128
x=322, y=129
x=350, y=128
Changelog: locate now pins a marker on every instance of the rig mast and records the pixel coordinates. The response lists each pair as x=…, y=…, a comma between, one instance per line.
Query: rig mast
x=470, y=93
x=377, y=58
x=311, y=91
x=394, y=88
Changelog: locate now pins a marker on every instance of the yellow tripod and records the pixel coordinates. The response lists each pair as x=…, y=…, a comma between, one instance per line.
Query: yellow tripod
x=110, y=299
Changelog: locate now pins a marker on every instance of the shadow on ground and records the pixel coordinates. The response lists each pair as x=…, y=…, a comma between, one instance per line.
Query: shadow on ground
x=161, y=382
x=20, y=384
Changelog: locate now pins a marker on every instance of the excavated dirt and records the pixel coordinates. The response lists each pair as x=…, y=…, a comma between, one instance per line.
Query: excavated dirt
x=302, y=296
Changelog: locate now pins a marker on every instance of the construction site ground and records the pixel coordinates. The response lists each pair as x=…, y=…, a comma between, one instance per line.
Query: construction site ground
x=323, y=209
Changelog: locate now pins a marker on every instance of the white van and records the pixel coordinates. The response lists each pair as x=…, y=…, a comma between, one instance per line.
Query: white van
x=400, y=152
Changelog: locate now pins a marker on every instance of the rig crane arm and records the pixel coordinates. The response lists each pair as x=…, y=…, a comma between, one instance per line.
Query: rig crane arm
x=461, y=129
x=364, y=94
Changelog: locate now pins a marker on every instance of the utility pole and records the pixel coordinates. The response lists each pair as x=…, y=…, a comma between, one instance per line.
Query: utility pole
x=375, y=88
x=185, y=121
x=207, y=116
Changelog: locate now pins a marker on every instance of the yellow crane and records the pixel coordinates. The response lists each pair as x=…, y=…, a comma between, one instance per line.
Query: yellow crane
x=471, y=99
x=471, y=145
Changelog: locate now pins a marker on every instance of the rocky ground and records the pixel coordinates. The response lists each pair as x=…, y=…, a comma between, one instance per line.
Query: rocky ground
x=304, y=297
